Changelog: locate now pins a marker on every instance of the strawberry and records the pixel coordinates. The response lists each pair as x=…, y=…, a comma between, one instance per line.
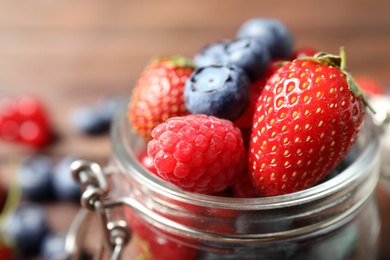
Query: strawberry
x=307, y=118
x=24, y=120
x=245, y=120
x=158, y=94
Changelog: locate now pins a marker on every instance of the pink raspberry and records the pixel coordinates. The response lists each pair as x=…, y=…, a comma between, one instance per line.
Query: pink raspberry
x=198, y=153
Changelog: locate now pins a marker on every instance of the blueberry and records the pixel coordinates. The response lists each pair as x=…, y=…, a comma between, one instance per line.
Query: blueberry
x=218, y=90
x=34, y=177
x=53, y=246
x=95, y=119
x=213, y=53
x=273, y=33
x=26, y=227
x=251, y=55
x=86, y=121
x=64, y=186
x=108, y=107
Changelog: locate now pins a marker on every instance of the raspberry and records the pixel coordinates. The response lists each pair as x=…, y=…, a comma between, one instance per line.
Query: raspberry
x=198, y=153
x=24, y=120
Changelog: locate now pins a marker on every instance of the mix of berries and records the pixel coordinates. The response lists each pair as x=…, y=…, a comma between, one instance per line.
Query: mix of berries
x=24, y=224
x=41, y=178
x=260, y=118
x=248, y=117
x=289, y=115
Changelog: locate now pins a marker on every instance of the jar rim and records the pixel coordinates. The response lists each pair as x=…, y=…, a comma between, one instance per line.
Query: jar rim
x=122, y=135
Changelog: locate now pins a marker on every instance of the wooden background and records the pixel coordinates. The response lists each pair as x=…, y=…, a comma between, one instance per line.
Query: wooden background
x=71, y=52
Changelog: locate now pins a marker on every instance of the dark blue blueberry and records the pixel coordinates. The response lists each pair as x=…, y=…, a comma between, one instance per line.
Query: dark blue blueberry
x=212, y=53
x=218, y=90
x=251, y=55
x=96, y=118
x=34, y=177
x=273, y=33
x=86, y=121
x=26, y=227
x=53, y=246
x=64, y=186
x=108, y=107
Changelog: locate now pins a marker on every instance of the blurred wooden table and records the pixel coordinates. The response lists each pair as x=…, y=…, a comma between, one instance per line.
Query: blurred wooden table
x=72, y=52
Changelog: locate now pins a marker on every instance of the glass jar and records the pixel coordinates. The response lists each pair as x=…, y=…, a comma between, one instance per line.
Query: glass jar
x=336, y=219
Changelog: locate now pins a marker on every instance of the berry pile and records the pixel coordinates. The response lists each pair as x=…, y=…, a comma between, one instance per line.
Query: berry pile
x=25, y=226
x=41, y=178
x=265, y=117
x=254, y=117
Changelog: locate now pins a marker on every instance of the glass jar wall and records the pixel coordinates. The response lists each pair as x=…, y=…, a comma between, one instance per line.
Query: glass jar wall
x=336, y=219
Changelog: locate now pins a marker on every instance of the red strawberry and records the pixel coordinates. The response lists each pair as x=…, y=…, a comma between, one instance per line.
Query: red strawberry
x=158, y=94
x=370, y=86
x=307, y=118
x=24, y=120
x=244, y=122
x=198, y=153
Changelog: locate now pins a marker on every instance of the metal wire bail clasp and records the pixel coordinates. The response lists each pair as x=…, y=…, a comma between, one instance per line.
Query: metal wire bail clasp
x=95, y=186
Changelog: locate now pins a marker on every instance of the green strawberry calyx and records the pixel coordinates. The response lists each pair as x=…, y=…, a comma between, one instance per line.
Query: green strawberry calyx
x=339, y=61
x=175, y=61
